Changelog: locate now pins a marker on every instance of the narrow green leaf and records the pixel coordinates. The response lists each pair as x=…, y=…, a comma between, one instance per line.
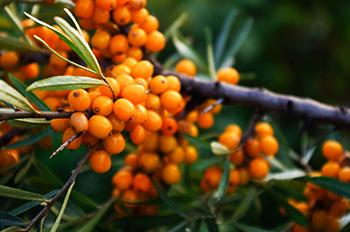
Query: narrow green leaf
x=220, y=193
x=179, y=227
x=210, y=55
x=12, y=96
x=242, y=35
x=64, y=205
x=211, y=224
x=16, y=193
x=332, y=185
x=244, y=206
x=246, y=228
x=22, y=173
x=12, y=229
x=65, y=83
x=30, y=139
x=66, y=3
x=76, y=24
x=7, y=220
x=8, y=42
x=287, y=175
x=28, y=122
x=176, y=24
x=31, y=96
x=221, y=41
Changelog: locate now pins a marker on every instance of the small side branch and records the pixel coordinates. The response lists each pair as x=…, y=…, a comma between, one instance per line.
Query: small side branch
x=23, y=114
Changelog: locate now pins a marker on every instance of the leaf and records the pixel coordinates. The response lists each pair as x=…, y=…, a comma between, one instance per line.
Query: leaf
x=166, y=200
x=11, y=96
x=7, y=220
x=219, y=149
x=242, y=35
x=64, y=205
x=176, y=24
x=244, y=206
x=12, y=229
x=16, y=193
x=65, y=83
x=211, y=225
x=22, y=173
x=332, y=185
x=246, y=228
x=32, y=97
x=8, y=42
x=287, y=175
x=66, y=3
x=224, y=34
x=28, y=122
x=179, y=227
x=210, y=55
x=220, y=193
x=187, y=51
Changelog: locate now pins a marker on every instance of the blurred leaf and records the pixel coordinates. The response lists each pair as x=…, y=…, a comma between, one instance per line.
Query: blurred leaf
x=65, y=83
x=179, y=227
x=5, y=2
x=307, y=149
x=30, y=139
x=7, y=220
x=287, y=175
x=199, y=143
x=210, y=55
x=223, y=35
x=8, y=42
x=246, y=228
x=289, y=188
x=167, y=201
x=28, y=122
x=171, y=61
x=244, y=206
x=64, y=205
x=66, y=3
x=211, y=224
x=240, y=38
x=30, y=96
x=332, y=185
x=176, y=24
x=12, y=96
x=19, y=176
x=12, y=229
x=187, y=51
x=219, y=149
x=220, y=193
x=16, y=193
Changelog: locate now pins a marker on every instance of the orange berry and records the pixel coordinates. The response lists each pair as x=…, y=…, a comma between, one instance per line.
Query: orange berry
x=155, y=41
x=79, y=100
x=252, y=147
x=151, y=142
x=319, y=220
x=191, y=154
x=121, y=69
x=344, y=174
x=9, y=60
x=53, y=103
x=177, y=156
x=79, y=122
x=57, y=62
x=258, y=168
x=118, y=45
x=143, y=69
x=100, y=161
x=149, y=161
x=114, y=143
x=237, y=157
x=269, y=145
x=130, y=198
x=167, y=143
x=89, y=140
x=153, y=102
x=169, y=126
x=228, y=75
x=102, y=106
x=141, y=183
x=122, y=180
x=137, y=4
x=135, y=53
x=122, y=2
x=139, y=16
x=31, y=71
x=131, y=160
x=100, y=16
x=205, y=120
x=153, y=122
x=124, y=80
x=234, y=177
x=137, y=37
x=140, y=115
x=171, y=174
x=99, y=126
x=138, y=134
x=117, y=124
x=69, y=133
x=213, y=176
x=123, y=109
x=59, y=124
x=244, y=177
x=171, y=100
x=112, y=90
x=84, y=8
x=106, y=4
x=229, y=139
x=130, y=62
x=263, y=129
x=332, y=150
x=158, y=84
x=173, y=83
x=186, y=67
x=331, y=169
x=101, y=39
x=122, y=15
x=151, y=24
x=134, y=93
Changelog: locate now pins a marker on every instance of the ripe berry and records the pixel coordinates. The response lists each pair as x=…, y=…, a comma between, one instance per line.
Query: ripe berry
x=137, y=37
x=130, y=198
x=135, y=53
x=79, y=100
x=167, y=143
x=237, y=157
x=331, y=169
x=153, y=122
x=151, y=24
x=205, y=120
x=176, y=156
x=252, y=147
x=69, y=133
x=117, y=124
x=332, y=150
x=234, y=177
x=119, y=44
x=137, y=4
x=60, y=124
x=84, y=8
x=155, y=41
x=112, y=90
x=258, y=168
x=344, y=174
x=123, y=109
x=140, y=115
x=100, y=16
x=106, y=4
x=138, y=134
x=114, y=144
x=153, y=102
x=134, y=93
x=143, y=69
x=100, y=161
x=101, y=39
x=263, y=129
x=122, y=15
x=169, y=126
x=186, y=67
x=228, y=75
x=171, y=174
x=102, y=106
x=99, y=126
x=191, y=154
x=122, y=180
x=121, y=69
x=171, y=100
x=79, y=122
x=149, y=161
x=229, y=139
x=173, y=83
x=269, y=145
x=139, y=16
x=31, y=71
x=141, y=183
x=158, y=84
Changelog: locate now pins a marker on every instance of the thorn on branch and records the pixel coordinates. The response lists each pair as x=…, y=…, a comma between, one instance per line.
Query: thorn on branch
x=65, y=144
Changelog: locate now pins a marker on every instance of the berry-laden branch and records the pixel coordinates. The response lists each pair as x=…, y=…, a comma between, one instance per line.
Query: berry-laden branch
x=43, y=213
x=43, y=114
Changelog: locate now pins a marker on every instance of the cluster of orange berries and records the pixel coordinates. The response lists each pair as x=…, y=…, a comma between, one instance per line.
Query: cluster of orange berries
x=248, y=161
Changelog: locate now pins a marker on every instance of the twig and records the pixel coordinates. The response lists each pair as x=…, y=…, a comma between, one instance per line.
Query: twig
x=43, y=114
x=65, y=144
x=6, y=138
x=61, y=192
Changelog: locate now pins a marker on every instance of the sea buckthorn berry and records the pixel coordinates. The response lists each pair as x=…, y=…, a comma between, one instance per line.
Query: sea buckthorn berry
x=31, y=71
x=101, y=39
x=331, y=169
x=114, y=143
x=142, y=82
x=151, y=142
x=130, y=198
x=53, y=103
x=117, y=124
x=344, y=174
x=171, y=100
x=153, y=122
x=137, y=4
x=151, y=24
x=69, y=133
x=158, y=84
x=153, y=102
x=79, y=100
x=167, y=143
x=123, y=109
x=100, y=161
x=191, y=154
x=213, y=176
x=332, y=150
x=234, y=129
x=137, y=37
x=134, y=93
x=252, y=147
x=155, y=41
x=171, y=174
x=113, y=85
x=263, y=129
x=57, y=62
x=205, y=120
x=139, y=16
x=138, y=134
x=122, y=180
x=121, y=69
x=106, y=4
x=234, y=177
x=143, y=69
x=319, y=220
x=258, y=168
x=130, y=62
x=141, y=183
x=9, y=60
x=186, y=67
x=269, y=145
x=89, y=140
x=84, y=8
x=229, y=139
x=79, y=122
x=131, y=160
x=122, y=2
x=59, y=124
x=124, y=80
x=100, y=16
x=237, y=157
x=102, y=106
x=228, y=75
x=176, y=156
x=169, y=126
x=135, y=53
x=244, y=177
x=122, y=15
x=149, y=161
x=173, y=83
x=140, y=115
x=99, y=126
x=118, y=44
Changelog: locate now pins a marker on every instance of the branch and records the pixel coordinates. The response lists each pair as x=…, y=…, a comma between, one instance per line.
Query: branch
x=43, y=114
x=65, y=144
x=44, y=212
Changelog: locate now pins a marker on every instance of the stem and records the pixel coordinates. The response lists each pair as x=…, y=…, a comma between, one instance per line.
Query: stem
x=43, y=114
